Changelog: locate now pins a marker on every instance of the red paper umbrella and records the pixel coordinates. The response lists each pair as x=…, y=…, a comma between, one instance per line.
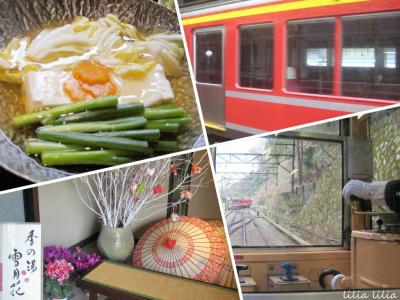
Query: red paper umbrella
x=189, y=248
x=227, y=277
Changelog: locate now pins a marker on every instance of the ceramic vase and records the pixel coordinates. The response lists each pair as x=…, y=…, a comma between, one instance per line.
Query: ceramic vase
x=115, y=243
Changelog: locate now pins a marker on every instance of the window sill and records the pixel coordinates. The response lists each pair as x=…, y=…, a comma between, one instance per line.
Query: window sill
x=282, y=254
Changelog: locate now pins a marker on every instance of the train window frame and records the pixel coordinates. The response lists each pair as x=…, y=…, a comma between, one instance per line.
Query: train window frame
x=238, y=67
x=343, y=18
x=223, y=35
x=340, y=138
x=337, y=70
x=285, y=36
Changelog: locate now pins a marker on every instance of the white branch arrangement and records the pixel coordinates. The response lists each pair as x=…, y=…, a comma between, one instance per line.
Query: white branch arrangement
x=118, y=196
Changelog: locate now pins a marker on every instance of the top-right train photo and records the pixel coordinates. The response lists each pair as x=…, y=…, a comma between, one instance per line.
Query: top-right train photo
x=266, y=65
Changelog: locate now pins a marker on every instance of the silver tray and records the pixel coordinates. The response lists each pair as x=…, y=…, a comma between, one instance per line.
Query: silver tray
x=20, y=16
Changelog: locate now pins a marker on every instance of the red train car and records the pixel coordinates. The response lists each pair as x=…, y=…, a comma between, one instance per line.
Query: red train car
x=240, y=203
x=268, y=65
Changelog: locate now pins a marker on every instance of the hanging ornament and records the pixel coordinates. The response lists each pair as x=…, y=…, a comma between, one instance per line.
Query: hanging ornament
x=140, y=188
x=133, y=188
x=174, y=170
x=186, y=194
x=157, y=189
x=196, y=169
x=150, y=171
x=175, y=217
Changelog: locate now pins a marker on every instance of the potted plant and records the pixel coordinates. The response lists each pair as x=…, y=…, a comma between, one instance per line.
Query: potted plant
x=57, y=281
x=125, y=195
x=80, y=260
x=63, y=266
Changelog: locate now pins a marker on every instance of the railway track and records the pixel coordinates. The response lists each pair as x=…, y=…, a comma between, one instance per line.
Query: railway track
x=241, y=220
x=261, y=233
x=246, y=228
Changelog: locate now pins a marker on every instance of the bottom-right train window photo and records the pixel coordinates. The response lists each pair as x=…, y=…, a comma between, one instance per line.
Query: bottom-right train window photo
x=316, y=209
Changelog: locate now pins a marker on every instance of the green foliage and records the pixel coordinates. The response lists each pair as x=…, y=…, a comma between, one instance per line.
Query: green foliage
x=55, y=290
x=323, y=210
x=261, y=202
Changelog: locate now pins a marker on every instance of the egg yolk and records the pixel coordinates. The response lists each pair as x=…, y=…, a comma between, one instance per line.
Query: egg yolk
x=89, y=81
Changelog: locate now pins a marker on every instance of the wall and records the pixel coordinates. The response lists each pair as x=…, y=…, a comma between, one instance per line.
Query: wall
x=204, y=203
x=65, y=219
x=12, y=207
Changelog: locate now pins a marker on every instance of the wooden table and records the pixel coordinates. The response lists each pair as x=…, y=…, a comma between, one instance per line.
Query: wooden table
x=124, y=282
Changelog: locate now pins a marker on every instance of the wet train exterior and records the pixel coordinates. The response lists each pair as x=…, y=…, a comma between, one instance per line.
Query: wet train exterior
x=268, y=65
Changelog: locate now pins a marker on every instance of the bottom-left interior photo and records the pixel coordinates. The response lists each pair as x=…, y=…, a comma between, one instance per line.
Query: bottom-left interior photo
x=147, y=231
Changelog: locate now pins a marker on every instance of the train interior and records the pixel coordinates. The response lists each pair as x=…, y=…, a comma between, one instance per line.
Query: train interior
x=289, y=225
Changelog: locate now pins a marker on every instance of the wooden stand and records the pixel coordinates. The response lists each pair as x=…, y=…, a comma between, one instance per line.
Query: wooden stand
x=249, y=285
x=125, y=282
x=375, y=259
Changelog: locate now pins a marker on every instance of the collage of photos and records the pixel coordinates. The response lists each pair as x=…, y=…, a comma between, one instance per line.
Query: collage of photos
x=199, y=149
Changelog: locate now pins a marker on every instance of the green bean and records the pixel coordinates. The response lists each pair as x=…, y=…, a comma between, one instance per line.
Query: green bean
x=34, y=146
x=164, y=106
x=132, y=123
x=139, y=134
x=55, y=112
x=90, y=140
x=102, y=114
x=163, y=127
x=155, y=113
x=99, y=157
x=180, y=121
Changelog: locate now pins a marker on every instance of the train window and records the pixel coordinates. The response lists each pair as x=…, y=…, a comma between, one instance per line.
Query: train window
x=209, y=56
x=370, y=53
x=310, y=53
x=384, y=128
x=358, y=57
x=332, y=128
x=282, y=192
x=256, y=56
x=317, y=57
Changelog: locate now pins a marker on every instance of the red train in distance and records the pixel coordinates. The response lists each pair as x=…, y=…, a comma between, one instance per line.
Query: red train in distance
x=240, y=203
x=264, y=65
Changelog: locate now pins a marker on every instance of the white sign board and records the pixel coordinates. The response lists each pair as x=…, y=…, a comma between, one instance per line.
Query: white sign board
x=21, y=259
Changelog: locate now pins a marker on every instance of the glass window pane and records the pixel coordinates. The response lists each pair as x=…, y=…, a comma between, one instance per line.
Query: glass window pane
x=384, y=128
x=310, y=53
x=209, y=57
x=384, y=133
x=281, y=192
x=325, y=128
x=370, y=54
x=317, y=57
x=256, y=56
x=358, y=57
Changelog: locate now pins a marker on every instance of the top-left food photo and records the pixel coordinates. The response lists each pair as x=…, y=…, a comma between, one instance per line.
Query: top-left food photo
x=85, y=86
